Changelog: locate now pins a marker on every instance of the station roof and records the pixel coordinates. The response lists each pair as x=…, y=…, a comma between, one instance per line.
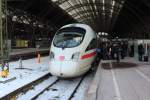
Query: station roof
x=44, y=9
x=123, y=18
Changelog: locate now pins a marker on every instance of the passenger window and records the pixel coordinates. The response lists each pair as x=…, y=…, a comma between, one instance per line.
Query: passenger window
x=92, y=45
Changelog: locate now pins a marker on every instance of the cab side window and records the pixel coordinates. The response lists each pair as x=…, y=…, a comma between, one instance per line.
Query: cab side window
x=92, y=45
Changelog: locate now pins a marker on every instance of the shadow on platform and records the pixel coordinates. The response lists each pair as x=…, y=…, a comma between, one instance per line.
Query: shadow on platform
x=119, y=65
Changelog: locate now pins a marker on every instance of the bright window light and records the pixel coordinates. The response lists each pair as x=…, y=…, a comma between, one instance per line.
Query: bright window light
x=103, y=1
x=54, y=0
x=113, y=3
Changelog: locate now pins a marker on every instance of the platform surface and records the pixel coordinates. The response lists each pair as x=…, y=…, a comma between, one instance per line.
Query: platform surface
x=129, y=80
x=26, y=50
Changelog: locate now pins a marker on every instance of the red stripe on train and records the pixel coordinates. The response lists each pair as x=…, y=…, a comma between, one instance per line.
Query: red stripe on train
x=88, y=55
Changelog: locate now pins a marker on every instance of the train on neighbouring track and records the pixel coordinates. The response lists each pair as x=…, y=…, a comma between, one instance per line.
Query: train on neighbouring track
x=73, y=50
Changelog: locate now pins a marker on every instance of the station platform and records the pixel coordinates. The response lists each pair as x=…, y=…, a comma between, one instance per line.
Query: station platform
x=127, y=80
x=26, y=53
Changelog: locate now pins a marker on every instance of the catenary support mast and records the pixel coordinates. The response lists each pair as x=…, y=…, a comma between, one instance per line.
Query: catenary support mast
x=4, y=49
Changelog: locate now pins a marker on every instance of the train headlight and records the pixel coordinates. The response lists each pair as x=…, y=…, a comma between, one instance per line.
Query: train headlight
x=51, y=55
x=75, y=56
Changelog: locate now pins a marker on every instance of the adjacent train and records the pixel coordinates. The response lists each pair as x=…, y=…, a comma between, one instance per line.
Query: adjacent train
x=73, y=50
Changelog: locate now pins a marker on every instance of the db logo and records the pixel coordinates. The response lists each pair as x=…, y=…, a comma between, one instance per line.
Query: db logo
x=61, y=58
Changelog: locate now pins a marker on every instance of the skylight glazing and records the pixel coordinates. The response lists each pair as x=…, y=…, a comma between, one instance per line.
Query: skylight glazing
x=95, y=10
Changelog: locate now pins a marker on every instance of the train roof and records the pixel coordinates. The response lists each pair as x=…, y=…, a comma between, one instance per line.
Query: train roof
x=86, y=27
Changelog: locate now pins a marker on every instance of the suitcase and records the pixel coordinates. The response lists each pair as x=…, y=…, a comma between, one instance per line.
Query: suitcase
x=146, y=58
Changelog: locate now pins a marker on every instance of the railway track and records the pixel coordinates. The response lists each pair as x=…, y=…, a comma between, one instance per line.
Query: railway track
x=53, y=86
x=25, y=88
x=74, y=91
x=38, y=89
x=47, y=87
x=64, y=89
x=57, y=89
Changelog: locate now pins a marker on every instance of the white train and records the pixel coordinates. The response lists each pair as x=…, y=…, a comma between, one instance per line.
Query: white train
x=73, y=50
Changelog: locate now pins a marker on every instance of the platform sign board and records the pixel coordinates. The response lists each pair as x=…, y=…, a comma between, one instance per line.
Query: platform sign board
x=4, y=51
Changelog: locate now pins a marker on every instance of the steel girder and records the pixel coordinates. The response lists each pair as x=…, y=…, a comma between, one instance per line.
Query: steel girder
x=101, y=11
x=4, y=49
x=26, y=26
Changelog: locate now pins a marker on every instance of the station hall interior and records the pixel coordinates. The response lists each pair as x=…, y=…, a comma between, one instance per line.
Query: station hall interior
x=33, y=20
x=27, y=28
x=32, y=23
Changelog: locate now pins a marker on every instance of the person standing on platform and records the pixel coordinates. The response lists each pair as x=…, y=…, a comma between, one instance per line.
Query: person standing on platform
x=140, y=52
x=131, y=52
x=122, y=50
x=99, y=54
x=118, y=53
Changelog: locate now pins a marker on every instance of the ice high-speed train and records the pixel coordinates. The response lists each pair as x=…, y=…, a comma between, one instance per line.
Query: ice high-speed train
x=72, y=51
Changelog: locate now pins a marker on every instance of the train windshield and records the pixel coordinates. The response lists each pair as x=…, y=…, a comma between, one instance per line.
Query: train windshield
x=69, y=37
